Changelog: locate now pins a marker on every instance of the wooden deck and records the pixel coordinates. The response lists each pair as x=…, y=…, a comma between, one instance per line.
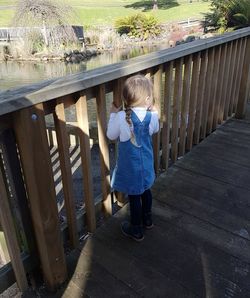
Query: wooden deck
x=200, y=245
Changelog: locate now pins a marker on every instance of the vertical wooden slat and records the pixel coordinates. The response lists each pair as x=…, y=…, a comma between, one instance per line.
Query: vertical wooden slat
x=220, y=94
x=244, y=83
x=193, y=99
x=226, y=80
x=33, y=147
x=176, y=108
x=230, y=79
x=83, y=124
x=65, y=166
x=104, y=150
x=10, y=236
x=201, y=90
x=207, y=97
x=117, y=98
x=157, y=97
x=18, y=192
x=166, y=117
x=185, y=104
x=237, y=70
x=214, y=87
x=233, y=76
x=241, y=55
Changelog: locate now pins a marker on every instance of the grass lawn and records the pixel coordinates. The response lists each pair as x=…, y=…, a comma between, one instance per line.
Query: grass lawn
x=98, y=12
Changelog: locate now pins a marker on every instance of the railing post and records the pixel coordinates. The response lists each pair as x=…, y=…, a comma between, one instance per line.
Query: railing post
x=83, y=124
x=104, y=149
x=63, y=149
x=157, y=97
x=10, y=236
x=244, y=84
x=30, y=130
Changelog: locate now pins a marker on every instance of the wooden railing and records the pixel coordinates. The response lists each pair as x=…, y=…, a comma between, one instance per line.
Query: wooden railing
x=197, y=86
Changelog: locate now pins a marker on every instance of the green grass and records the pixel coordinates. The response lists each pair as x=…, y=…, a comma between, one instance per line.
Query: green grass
x=98, y=12
x=6, y=16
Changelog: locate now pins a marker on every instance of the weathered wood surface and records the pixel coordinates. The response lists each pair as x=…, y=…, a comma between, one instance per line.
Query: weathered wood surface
x=27, y=96
x=200, y=245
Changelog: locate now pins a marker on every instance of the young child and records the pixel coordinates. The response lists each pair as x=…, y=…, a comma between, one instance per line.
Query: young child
x=134, y=172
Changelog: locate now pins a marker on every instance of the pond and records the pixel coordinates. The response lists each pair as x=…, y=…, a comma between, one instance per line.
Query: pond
x=15, y=74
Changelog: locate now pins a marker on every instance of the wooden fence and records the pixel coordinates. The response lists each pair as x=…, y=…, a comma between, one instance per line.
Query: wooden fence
x=197, y=85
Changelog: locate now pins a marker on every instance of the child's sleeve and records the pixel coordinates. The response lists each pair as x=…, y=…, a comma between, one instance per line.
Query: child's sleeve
x=113, y=130
x=154, y=125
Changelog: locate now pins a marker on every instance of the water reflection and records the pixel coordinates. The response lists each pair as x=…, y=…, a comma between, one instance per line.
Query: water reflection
x=16, y=74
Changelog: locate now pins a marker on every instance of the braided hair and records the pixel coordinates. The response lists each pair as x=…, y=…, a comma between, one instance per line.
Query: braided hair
x=135, y=91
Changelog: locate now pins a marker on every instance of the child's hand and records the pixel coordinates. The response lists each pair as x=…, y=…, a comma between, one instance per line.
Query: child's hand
x=152, y=108
x=115, y=109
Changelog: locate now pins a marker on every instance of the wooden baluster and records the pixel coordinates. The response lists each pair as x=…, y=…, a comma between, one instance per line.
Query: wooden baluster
x=237, y=70
x=65, y=166
x=18, y=192
x=207, y=97
x=226, y=81
x=201, y=90
x=104, y=150
x=30, y=130
x=166, y=117
x=241, y=55
x=83, y=124
x=214, y=87
x=117, y=98
x=193, y=99
x=8, y=227
x=220, y=94
x=176, y=108
x=185, y=104
x=157, y=97
x=244, y=83
x=230, y=79
x=233, y=76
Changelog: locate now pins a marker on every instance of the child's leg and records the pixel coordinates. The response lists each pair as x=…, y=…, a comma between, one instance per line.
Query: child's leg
x=134, y=228
x=135, y=209
x=146, y=198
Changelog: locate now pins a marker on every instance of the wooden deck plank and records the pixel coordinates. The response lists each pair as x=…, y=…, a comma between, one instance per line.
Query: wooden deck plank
x=200, y=244
x=139, y=275
x=178, y=259
x=220, y=195
x=149, y=277
x=206, y=212
x=218, y=169
x=94, y=280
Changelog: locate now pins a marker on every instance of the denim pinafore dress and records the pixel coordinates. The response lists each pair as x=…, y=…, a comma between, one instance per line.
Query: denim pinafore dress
x=134, y=170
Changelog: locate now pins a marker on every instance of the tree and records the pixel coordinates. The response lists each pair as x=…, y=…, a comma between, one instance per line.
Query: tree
x=46, y=14
x=228, y=14
x=155, y=4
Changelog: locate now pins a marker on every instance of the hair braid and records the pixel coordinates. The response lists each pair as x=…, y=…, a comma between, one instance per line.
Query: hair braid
x=128, y=112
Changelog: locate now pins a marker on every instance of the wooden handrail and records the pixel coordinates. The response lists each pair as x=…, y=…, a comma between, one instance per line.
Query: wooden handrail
x=17, y=99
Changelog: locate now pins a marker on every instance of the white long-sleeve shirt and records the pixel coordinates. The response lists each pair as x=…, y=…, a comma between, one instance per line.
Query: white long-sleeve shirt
x=119, y=128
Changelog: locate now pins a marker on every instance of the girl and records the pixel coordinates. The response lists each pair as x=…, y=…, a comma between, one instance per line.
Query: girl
x=134, y=171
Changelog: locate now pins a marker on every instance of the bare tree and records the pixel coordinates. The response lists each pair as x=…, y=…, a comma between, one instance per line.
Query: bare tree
x=45, y=14
x=155, y=5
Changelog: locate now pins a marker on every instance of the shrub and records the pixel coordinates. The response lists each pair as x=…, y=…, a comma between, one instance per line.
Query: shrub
x=140, y=25
x=228, y=14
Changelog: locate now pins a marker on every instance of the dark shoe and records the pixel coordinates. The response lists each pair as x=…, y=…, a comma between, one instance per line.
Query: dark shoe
x=134, y=232
x=147, y=221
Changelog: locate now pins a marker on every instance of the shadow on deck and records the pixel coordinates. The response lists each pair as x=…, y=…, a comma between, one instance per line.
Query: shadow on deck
x=200, y=245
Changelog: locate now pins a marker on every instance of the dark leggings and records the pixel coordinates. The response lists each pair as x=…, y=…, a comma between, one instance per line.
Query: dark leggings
x=140, y=205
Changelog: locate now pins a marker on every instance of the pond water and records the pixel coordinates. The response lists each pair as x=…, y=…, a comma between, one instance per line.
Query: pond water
x=15, y=74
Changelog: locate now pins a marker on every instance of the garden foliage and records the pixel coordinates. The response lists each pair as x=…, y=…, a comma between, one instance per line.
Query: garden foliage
x=140, y=25
x=226, y=14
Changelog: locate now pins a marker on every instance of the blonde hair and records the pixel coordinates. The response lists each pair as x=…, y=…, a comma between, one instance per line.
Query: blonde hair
x=135, y=92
